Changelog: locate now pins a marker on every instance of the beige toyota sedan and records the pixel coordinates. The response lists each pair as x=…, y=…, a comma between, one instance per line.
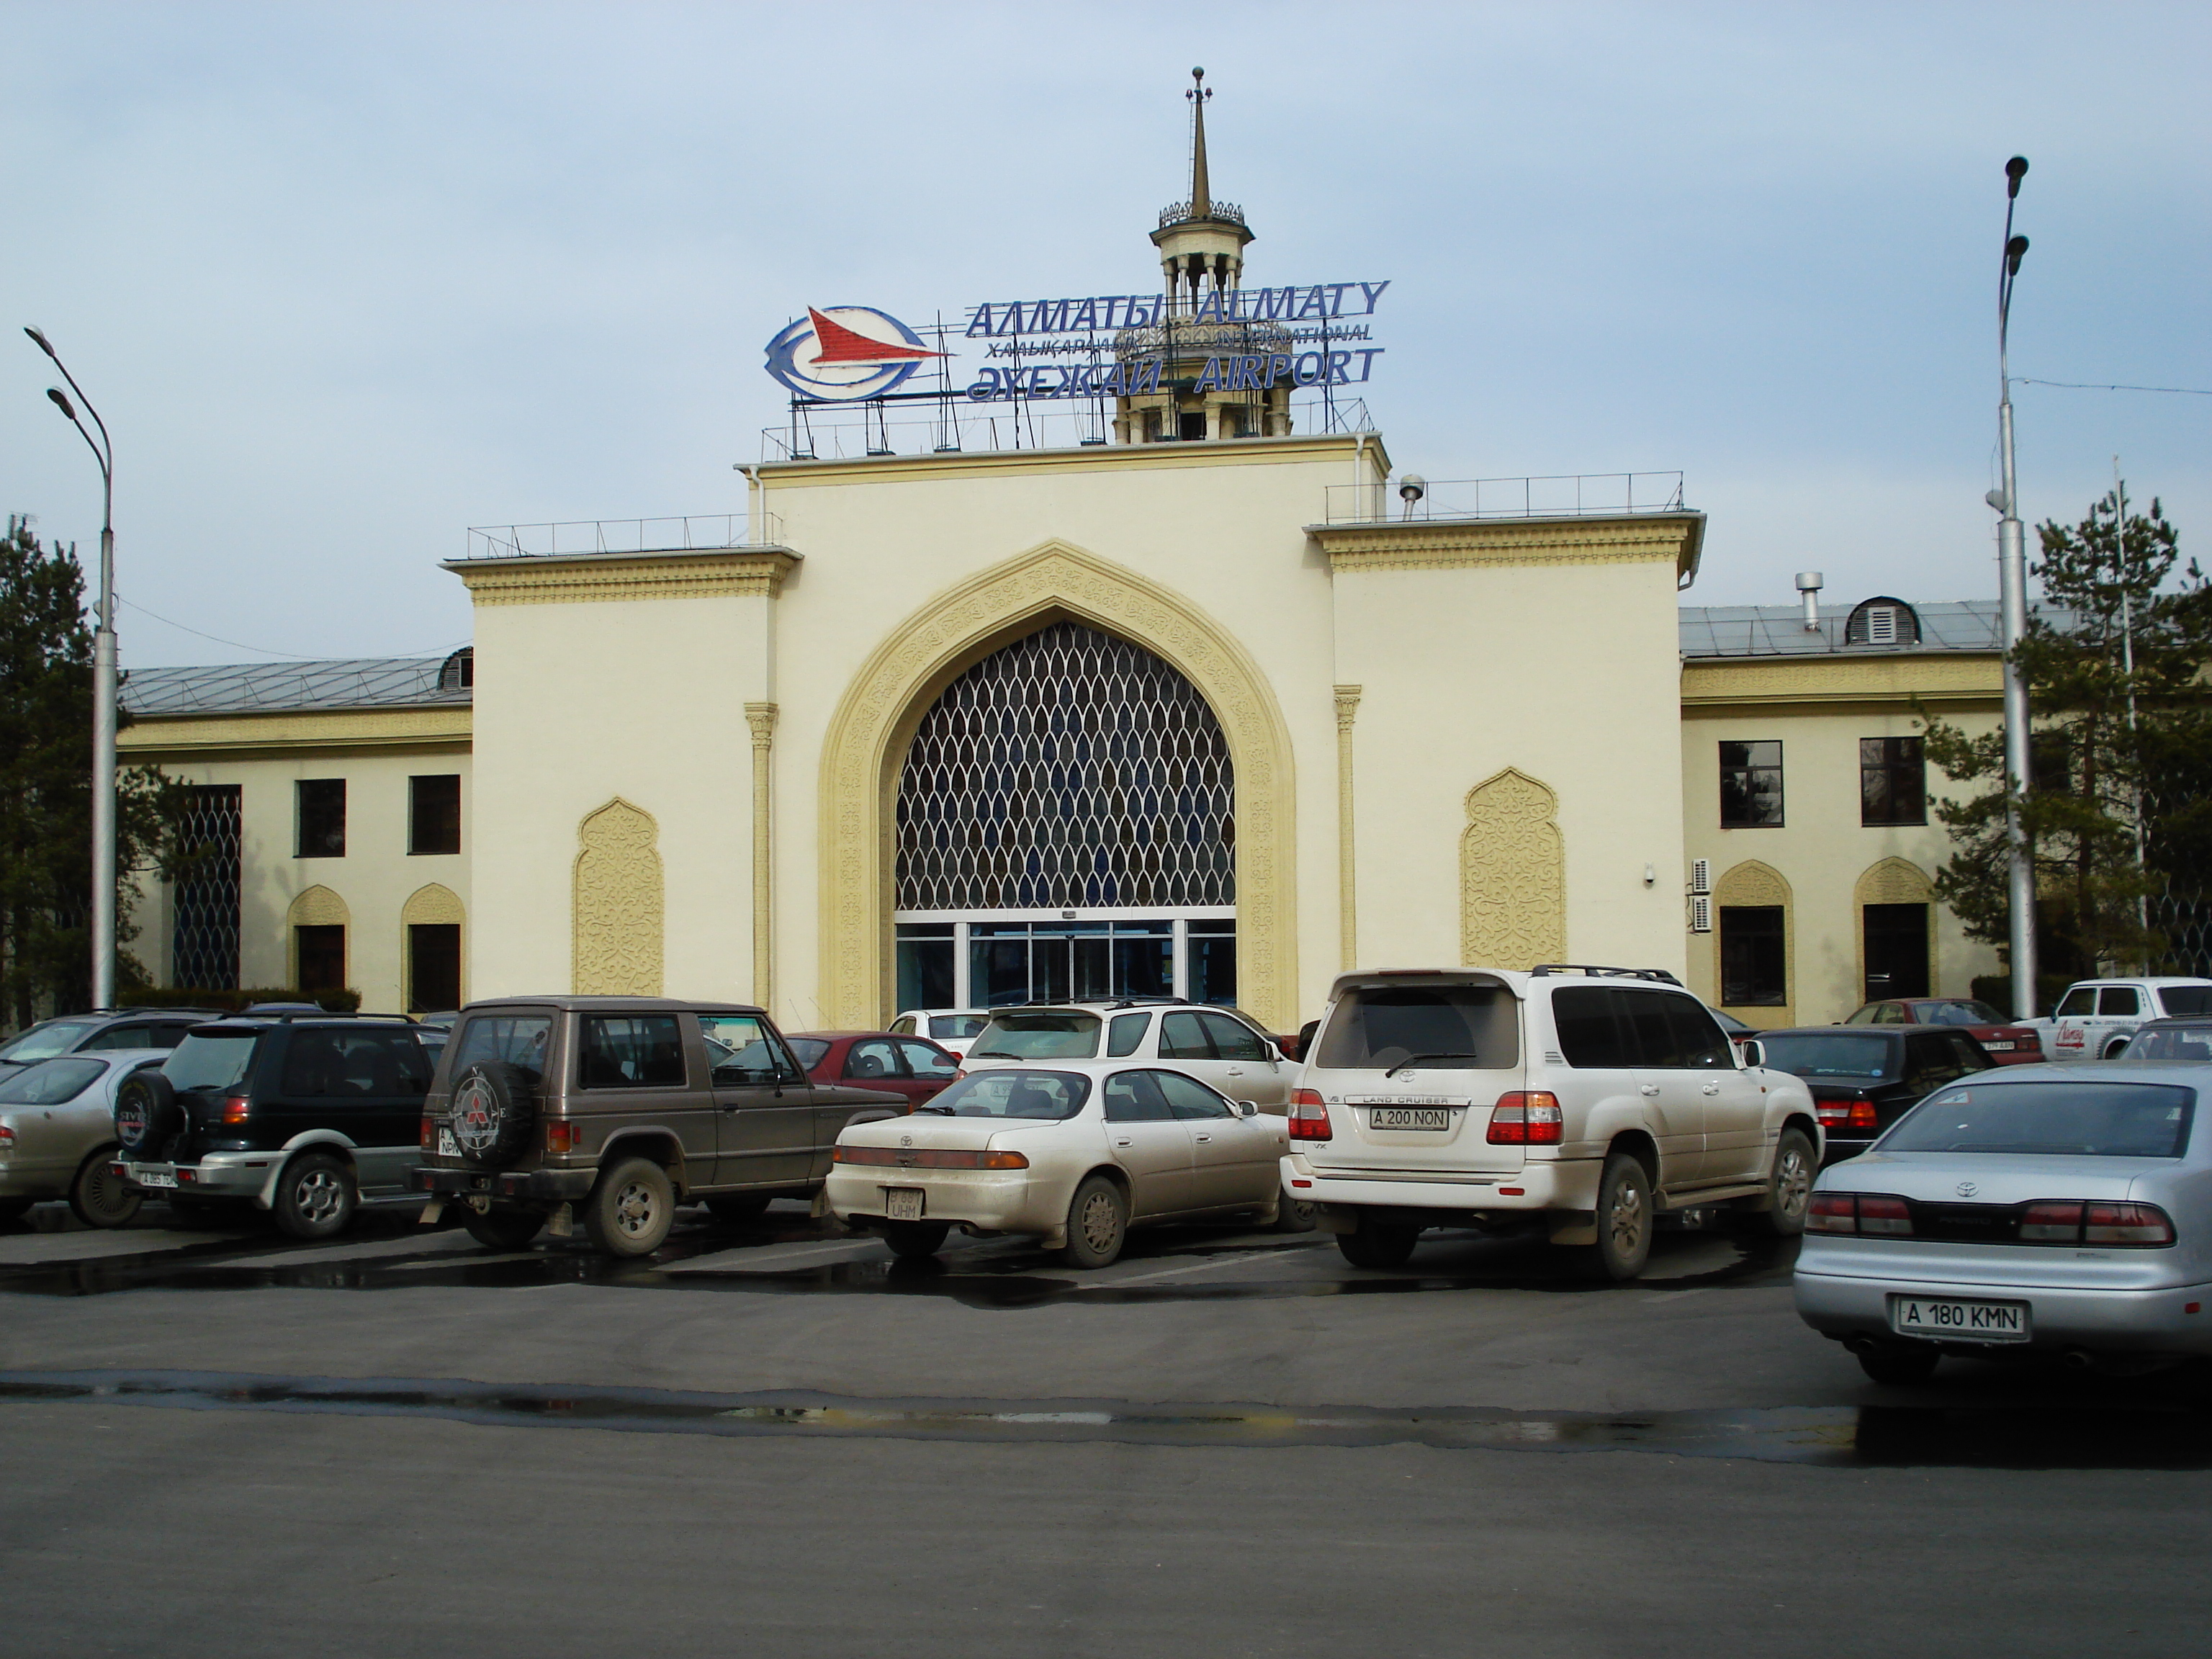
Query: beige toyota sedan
x=1074, y=1152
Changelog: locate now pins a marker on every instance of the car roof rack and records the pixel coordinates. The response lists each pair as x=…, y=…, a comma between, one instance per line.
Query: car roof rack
x=1591, y=970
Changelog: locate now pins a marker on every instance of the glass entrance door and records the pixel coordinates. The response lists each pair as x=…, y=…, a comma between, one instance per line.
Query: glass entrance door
x=1000, y=962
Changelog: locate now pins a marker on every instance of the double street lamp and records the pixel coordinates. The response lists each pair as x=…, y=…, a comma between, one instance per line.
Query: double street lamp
x=103, y=691
x=2012, y=588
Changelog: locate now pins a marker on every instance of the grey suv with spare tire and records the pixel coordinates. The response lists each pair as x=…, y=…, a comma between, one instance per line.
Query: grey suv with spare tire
x=614, y=1110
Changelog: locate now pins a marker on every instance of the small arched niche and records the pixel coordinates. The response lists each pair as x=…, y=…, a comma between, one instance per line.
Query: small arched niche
x=1755, y=945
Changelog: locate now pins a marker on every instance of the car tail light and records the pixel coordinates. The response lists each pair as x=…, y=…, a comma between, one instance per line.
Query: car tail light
x=911, y=1157
x=2127, y=1224
x=1309, y=1119
x=1836, y=1113
x=7, y=1137
x=236, y=1109
x=2051, y=1223
x=429, y=1139
x=1858, y=1212
x=564, y=1137
x=1832, y=1212
x=1525, y=1120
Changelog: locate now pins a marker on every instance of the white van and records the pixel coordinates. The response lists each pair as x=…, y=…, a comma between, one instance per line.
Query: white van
x=1584, y=1100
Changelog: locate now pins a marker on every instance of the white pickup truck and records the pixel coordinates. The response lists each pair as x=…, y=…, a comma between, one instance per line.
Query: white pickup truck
x=2096, y=1017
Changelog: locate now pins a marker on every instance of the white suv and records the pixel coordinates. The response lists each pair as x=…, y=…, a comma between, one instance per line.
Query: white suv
x=1587, y=1099
x=1217, y=1046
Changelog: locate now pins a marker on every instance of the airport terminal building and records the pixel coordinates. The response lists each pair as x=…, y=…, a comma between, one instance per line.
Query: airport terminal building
x=1206, y=700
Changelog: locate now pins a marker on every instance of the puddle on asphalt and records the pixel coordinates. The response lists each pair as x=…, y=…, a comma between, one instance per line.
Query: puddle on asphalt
x=979, y=1277
x=1834, y=1437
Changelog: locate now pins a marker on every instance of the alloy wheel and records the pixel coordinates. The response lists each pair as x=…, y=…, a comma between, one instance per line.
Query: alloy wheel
x=1100, y=1222
x=1626, y=1220
x=319, y=1195
x=1793, y=1183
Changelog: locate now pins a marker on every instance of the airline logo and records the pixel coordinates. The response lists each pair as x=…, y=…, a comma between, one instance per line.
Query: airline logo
x=842, y=354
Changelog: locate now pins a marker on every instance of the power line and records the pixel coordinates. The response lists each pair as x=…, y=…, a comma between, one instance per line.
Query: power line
x=2081, y=385
x=240, y=645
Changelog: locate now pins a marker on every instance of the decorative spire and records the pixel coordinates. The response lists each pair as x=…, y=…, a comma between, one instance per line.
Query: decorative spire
x=1202, y=199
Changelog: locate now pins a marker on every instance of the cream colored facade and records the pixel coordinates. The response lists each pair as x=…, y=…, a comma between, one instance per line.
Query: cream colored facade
x=375, y=890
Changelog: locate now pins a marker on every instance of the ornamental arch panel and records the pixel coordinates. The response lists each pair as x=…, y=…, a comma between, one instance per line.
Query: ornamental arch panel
x=1512, y=874
x=618, y=917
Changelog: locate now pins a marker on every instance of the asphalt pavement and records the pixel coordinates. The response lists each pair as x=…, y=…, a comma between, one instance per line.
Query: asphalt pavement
x=776, y=1439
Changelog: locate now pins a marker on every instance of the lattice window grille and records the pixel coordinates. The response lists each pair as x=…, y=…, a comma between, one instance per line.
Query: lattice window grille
x=1070, y=768
x=203, y=940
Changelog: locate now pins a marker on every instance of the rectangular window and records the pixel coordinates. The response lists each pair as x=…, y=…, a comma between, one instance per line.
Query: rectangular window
x=203, y=937
x=1751, y=786
x=509, y=1040
x=1211, y=974
x=322, y=957
x=1893, y=781
x=643, y=1051
x=434, y=967
x=925, y=964
x=434, y=813
x=321, y=818
x=1754, y=962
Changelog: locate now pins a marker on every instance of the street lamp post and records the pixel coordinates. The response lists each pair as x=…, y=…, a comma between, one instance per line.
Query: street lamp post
x=103, y=691
x=2012, y=586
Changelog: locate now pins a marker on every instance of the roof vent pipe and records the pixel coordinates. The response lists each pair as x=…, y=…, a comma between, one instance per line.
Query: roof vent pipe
x=1808, y=589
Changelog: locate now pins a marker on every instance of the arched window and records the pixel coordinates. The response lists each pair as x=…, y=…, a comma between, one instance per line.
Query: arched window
x=458, y=671
x=1069, y=769
x=1882, y=621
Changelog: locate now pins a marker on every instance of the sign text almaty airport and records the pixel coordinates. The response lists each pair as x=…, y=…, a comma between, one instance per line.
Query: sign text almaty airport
x=1317, y=317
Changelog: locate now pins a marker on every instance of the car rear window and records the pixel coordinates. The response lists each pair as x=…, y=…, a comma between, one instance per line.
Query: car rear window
x=2085, y=1119
x=1450, y=1027
x=1038, y=1036
x=210, y=1060
x=810, y=1050
x=1829, y=1054
x=56, y=1036
x=51, y=1081
x=2186, y=999
x=1957, y=1014
x=957, y=1026
x=518, y=1039
x=1051, y=1096
x=2183, y=1043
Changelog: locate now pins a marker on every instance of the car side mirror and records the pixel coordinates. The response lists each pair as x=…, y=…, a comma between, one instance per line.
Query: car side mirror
x=1754, y=1052
x=1245, y=1109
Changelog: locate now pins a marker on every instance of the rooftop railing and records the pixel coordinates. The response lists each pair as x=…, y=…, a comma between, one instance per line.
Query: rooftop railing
x=571, y=537
x=1563, y=495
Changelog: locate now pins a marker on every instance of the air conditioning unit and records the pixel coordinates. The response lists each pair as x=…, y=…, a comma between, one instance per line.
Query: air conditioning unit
x=1701, y=875
x=1701, y=913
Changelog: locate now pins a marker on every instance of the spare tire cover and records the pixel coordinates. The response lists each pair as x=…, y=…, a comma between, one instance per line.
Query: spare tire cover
x=147, y=1116
x=491, y=1114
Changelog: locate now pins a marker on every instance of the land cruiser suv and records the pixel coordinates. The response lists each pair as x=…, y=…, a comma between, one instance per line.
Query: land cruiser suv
x=623, y=1108
x=1217, y=1046
x=304, y=1116
x=1581, y=1101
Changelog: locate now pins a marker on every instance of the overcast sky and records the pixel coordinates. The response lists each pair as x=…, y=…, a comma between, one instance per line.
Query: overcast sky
x=345, y=280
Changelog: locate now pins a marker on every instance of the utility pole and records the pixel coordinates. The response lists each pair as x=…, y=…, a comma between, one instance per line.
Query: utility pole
x=2012, y=588
x=103, y=691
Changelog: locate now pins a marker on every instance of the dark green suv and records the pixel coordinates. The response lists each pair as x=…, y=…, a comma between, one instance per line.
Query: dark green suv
x=304, y=1116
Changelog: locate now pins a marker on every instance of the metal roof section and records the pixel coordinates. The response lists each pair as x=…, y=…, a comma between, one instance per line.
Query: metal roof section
x=283, y=688
x=1779, y=630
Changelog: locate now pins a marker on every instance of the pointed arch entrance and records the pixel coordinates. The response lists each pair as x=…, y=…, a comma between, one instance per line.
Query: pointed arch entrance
x=864, y=753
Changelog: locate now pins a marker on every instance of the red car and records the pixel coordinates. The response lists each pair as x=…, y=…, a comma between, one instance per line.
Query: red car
x=909, y=1065
x=2007, y=1044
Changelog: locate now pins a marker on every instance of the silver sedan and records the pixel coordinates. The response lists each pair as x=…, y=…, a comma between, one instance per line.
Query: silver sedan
x=2062, y=1209
x=58, y=1135
x=1074, y=1152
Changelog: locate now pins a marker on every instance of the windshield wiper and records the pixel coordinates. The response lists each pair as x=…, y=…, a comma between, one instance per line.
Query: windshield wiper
x=942, y=1111
x=1418, y=1059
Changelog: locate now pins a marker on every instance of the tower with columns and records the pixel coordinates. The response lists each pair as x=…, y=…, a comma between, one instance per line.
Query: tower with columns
x=1201, y=243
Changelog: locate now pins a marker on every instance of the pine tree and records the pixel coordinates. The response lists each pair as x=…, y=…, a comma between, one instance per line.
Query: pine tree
x=46, y=788
x=2118, y=813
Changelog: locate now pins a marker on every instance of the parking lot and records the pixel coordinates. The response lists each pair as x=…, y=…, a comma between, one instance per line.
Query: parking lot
x=774, y=1438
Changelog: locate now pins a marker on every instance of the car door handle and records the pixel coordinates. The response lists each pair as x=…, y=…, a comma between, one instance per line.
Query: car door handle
x=1236, y=1071
x=1121, y=1140
x=1710, y=1089
x=1651, y=1088
x=1204, y=1139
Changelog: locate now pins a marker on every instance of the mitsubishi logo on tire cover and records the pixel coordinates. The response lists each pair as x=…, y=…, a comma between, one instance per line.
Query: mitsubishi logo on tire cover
x=476, y=1116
